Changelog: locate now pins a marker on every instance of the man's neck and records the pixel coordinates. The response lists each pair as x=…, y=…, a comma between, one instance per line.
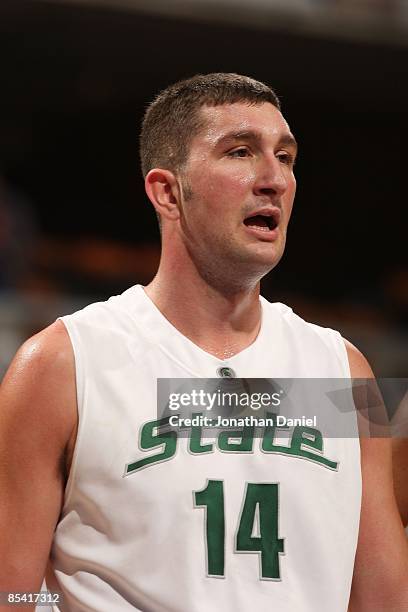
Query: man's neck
x=222, y=324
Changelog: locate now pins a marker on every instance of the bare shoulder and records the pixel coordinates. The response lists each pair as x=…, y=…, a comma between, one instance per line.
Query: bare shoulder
x=39, y=386
x=51, y=347
x=359, y=366
x=38, y=419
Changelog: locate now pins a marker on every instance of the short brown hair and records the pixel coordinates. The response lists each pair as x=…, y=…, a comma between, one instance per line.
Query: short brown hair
x=172, y=120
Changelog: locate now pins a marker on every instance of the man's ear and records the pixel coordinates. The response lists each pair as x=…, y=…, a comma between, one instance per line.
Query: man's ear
x=163, y=191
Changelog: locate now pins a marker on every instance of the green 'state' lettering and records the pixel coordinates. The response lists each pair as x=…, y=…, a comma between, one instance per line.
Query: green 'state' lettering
x=306, y=443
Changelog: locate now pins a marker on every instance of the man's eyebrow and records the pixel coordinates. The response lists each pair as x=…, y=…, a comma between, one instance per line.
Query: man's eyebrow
x=240, y=135
x=254, y=136
x=289, y=140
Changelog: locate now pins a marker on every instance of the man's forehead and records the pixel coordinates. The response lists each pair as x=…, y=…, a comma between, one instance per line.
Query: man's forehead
x=241, y=117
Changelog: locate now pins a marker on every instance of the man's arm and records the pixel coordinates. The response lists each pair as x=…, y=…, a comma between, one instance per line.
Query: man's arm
x=380, y=579
x=38, y=420
x=400, y=469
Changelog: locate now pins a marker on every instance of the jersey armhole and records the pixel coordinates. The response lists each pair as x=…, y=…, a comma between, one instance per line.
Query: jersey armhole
x=80, y=396
x=342, y=352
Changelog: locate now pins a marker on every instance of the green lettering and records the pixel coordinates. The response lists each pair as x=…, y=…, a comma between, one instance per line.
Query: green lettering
x=151, y=438
x=312, y=438
x=195, y=439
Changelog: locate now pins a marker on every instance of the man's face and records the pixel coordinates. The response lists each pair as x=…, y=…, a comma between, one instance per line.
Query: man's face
x=240, y=188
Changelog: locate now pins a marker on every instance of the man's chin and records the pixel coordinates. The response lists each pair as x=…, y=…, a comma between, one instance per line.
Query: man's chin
x=256, y=265
x=267, y=255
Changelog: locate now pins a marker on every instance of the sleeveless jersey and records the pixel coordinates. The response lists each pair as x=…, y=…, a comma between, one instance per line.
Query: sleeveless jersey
x=161, y=522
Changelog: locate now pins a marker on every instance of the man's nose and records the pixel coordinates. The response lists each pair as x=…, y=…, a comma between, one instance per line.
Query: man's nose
x=271, y=178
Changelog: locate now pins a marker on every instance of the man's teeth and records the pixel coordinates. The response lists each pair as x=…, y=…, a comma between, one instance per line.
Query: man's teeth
x=263, y=228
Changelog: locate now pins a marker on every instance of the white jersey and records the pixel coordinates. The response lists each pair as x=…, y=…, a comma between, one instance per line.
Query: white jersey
x=163, y=522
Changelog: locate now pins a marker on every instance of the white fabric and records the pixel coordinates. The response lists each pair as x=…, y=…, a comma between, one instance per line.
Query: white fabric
x=137, y=542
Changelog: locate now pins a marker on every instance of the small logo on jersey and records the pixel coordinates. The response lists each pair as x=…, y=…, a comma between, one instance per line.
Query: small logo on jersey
x=226, y=372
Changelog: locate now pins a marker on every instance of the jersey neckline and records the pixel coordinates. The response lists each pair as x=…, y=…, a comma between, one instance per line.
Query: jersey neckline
x=178, y=346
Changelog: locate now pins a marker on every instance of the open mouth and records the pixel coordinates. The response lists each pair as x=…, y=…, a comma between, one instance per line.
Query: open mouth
x=263, y=222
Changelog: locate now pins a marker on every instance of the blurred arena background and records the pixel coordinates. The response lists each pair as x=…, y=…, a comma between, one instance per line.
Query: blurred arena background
x=75, y=225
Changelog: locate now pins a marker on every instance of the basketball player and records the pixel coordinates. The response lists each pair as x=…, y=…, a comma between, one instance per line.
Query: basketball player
x=133, y=517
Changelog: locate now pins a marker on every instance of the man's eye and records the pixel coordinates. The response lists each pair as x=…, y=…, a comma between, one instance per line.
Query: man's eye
x=286, y=158
x=241, y=152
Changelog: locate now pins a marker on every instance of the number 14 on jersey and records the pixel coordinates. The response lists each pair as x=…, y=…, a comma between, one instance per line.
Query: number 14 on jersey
x=259, y=515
